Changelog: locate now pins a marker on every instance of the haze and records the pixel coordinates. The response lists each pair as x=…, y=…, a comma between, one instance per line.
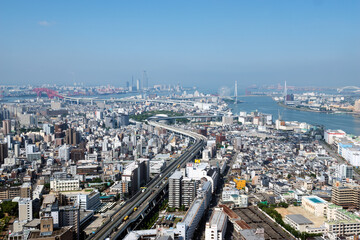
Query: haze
x=204, y=43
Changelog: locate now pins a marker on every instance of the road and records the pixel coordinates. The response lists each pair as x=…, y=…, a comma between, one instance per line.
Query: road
x=117, y=223
x=333, y=153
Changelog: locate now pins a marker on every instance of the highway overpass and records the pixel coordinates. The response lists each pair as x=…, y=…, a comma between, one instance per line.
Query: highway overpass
x=135, y=209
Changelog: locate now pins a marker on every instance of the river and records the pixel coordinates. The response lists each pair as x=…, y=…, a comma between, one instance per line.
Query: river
x=264, y=104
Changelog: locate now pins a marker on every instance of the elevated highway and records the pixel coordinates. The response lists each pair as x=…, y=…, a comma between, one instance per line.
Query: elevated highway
x=135, y=209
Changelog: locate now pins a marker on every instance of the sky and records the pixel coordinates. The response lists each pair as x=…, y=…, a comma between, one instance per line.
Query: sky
x=208, y=44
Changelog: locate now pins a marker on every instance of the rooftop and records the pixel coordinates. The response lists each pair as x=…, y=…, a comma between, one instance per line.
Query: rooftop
x=176, y=175
x=299, y=219
x=218, y=218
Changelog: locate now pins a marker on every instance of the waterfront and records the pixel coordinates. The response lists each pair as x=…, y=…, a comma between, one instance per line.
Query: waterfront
x=346, y=122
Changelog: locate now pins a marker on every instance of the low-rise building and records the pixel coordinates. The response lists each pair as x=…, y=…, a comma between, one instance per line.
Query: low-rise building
x=65, y=184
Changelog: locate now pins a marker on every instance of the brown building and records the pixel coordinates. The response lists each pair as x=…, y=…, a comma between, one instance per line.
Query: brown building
x=9, y=192
x=6, y=126
x=72, y=137
x=26, y=190
x=64, y=233
x=60, y=127
x=347, y=196
x=88, y=169
x=220, y=138
x=77, y=154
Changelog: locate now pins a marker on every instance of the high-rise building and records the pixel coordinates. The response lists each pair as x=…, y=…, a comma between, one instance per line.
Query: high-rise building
x=25, y=209
x=138, y=85
x=175, y=191
x=17, y=150
x=70, y=216
x=344, y=171
x=4, y=114
x=6, y=126
x=189, y=189
x=3, y=152
x=59, y=127
x=188, y=225
x=48, y=128
x=26, y=190
x=72, y=137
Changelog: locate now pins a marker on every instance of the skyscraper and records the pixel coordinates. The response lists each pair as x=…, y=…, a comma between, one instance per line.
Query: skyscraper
x=138, y=85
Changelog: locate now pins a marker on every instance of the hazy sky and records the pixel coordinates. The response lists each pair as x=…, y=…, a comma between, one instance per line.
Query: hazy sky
x=204, y=43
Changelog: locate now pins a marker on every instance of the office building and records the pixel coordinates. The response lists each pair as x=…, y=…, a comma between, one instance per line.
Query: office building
x=89, y=201
x=347, y=195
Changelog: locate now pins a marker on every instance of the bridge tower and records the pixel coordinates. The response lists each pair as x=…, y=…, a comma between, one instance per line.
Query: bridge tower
x=236, y=93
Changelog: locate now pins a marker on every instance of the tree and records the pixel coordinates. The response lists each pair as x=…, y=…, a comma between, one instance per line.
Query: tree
x=10, y=208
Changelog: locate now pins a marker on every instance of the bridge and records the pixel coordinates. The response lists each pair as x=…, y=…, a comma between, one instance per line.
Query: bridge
x=161, y=118
x=351, y=88
x=50, y=93
x=134, y=211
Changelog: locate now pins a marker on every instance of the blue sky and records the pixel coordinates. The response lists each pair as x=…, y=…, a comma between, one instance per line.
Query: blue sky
x=204, y=43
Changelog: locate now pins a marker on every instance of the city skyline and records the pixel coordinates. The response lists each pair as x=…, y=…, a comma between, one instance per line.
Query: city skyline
x=207, y=44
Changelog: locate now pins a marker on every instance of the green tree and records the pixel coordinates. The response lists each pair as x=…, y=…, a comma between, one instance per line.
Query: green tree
x=10, y=208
